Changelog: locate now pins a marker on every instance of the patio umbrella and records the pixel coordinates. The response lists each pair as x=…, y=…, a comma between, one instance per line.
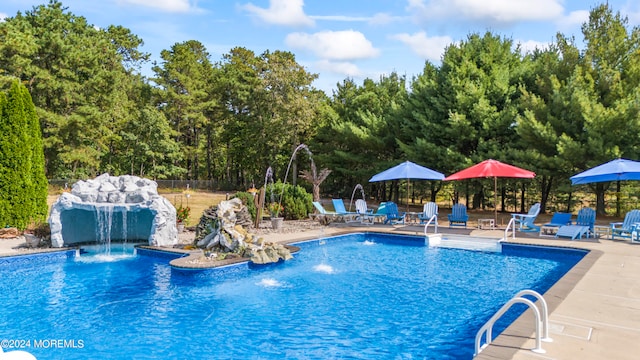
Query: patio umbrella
x=407, y=170
x=495, y=169
x=614, y=170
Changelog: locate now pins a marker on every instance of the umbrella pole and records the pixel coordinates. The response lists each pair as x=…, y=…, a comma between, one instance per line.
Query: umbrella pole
x=408, y=189
x=495, y=200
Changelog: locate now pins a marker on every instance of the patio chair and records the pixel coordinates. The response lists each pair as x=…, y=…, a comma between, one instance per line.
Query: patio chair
x=587, y=217
x=338, y=206
x=525, y=221
x=625, y=228
x=458, y=216
x=393, y=215
x=558, y=220
x=429, y=210
x=366, y=215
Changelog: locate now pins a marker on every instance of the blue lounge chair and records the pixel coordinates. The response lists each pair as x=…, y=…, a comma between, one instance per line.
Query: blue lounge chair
x=458, y=216
x=323, y=215
x=558, y=220
x=393, y=215
x=338, y=206
x=625, y=228
x=321, y=209
x=584, y=225
x=573, y=231
x=525, y=221
x=429, y=210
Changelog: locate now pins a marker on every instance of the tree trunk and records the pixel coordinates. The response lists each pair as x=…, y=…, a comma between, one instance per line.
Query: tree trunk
x=600, y=188
x=546, y=189
x=618, y=207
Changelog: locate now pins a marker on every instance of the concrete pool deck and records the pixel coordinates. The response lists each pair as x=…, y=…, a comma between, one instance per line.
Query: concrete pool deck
x=594, y=310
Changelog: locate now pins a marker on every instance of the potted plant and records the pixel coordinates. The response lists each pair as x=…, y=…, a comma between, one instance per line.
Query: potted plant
x=182, y=216
x=275, y=210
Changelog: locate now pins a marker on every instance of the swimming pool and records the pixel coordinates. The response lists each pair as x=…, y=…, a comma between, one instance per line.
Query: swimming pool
x=357, y=296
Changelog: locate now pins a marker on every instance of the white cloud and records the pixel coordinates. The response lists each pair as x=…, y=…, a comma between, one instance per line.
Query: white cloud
x=3, y=16
x=339, y=67
x=340, y=18
x=575, y=18
x=377, y=19
x=530, y=45
x=178, y=6
x=383, y=19
x=281, y=12
x=334, y=45
x=430, y=48
x=503, y=11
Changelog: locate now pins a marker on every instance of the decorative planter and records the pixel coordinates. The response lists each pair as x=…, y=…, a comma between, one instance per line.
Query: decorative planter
x=276, y=223
x=31, y=240
x=180, y=227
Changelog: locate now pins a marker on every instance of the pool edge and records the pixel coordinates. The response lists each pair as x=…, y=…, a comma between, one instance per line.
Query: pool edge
x=514, y=337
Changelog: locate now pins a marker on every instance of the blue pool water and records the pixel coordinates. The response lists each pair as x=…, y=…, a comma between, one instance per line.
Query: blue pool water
x=360, y=296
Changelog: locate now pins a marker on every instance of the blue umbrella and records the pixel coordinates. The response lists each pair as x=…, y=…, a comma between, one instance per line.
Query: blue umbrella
x=407, y=170
x=615, y=170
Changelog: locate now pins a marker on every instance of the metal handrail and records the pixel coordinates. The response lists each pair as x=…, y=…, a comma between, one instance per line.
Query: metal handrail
x=544, y=318
x=433, y=218
x=511, y=224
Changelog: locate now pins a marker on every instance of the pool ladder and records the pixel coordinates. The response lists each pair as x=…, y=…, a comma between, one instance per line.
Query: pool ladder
x=433, y=219
x=539, y=318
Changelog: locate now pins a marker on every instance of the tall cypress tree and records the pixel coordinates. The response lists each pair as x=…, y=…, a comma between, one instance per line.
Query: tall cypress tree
x=39, y=183
x=22, y=182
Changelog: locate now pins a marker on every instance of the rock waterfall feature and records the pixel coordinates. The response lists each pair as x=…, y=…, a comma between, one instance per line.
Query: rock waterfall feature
x=118, y=208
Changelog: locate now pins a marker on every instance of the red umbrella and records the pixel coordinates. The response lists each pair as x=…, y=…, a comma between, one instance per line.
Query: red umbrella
x=495, y=169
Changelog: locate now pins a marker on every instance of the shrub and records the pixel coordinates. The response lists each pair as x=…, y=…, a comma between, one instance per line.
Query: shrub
x=295, y=200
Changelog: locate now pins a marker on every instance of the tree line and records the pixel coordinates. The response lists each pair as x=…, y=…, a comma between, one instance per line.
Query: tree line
x=556, y=111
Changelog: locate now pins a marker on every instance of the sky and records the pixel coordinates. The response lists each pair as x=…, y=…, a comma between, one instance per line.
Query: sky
x=337, y=39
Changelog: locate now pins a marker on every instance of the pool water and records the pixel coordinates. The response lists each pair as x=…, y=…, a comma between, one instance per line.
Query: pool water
x=359, y=296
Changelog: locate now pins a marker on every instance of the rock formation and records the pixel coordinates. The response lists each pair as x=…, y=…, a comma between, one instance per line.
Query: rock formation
x=223, y=229
x=118, y=207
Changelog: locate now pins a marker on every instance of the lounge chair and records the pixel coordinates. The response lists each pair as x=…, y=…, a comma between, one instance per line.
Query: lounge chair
x=625, y=228
x=338, y=206
x=393, y=215
x=573, y=231
x=583, y=226
x=558, y=220
x=525, y=221
x=429, y=210
x=458, y=216
x=323, y=215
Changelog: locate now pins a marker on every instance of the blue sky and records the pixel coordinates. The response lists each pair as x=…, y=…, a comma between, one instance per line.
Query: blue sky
x=337, y=39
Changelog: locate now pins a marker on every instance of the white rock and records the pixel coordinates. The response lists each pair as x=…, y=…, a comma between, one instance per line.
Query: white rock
x=131, y=193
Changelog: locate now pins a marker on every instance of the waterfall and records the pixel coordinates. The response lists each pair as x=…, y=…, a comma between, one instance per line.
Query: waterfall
x=104, y=221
